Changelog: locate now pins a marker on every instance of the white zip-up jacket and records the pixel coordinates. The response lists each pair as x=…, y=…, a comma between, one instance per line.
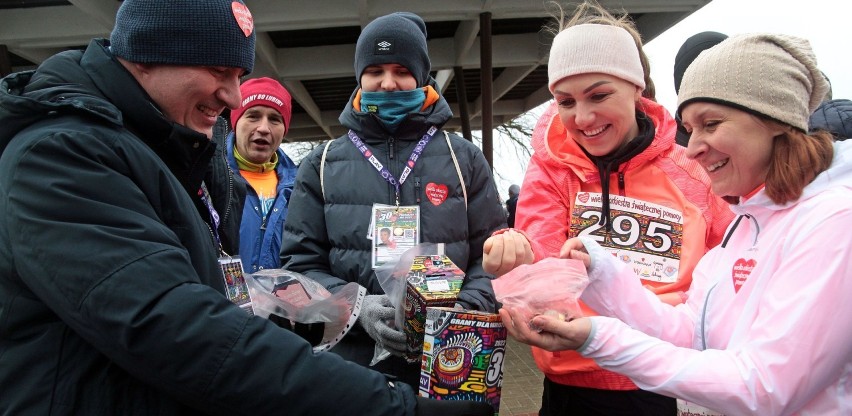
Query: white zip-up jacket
x=779, y=345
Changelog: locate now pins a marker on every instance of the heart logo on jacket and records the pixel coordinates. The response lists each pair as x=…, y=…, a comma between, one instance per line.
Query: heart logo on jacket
x=436, y=193
x=583, y=197
x=243, y=17
x=742, y=269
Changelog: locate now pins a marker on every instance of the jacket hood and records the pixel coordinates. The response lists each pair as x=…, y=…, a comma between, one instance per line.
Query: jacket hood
x=369, y=128
x=838, y=174
x=59, y=85
x=89, y=82
x=834, y=116
x=551, y=142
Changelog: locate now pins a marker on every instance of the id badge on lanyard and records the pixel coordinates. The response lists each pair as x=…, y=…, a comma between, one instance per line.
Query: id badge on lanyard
x=235, y=283
x=231, y=266
x=393, y=230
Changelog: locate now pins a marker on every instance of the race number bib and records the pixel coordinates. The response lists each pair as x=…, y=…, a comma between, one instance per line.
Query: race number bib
x=644, y=235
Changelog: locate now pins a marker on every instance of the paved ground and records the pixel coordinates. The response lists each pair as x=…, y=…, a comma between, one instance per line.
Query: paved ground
x=521, y=395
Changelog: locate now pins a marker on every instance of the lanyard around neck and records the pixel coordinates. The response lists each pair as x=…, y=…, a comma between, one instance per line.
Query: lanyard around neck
x=383, y=171
x=214, y=215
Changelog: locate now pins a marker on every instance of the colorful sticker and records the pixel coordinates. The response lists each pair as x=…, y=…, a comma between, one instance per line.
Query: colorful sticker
x=741, y=271
x=235, y=282
x=243, y=17
x=463, y=356
x=436, y=193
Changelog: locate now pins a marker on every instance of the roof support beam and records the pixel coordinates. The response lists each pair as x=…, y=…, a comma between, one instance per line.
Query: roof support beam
x=485, y=53
x=101, y=10
x=464, y=113
x=303, y=97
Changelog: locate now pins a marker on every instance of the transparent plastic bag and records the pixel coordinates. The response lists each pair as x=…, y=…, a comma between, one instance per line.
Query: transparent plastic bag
x=392, y=279
x=551, y=286
x=294, y=297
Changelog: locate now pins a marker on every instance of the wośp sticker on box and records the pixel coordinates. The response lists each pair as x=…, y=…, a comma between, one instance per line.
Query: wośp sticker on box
x=463, y=356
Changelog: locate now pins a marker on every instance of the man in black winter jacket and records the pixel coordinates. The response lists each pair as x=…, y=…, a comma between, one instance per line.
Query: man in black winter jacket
x=112, y=300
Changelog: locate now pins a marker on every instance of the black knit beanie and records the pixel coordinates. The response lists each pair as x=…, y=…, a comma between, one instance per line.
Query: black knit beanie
x=690, y=50
x=397, y=38
x=185, y=32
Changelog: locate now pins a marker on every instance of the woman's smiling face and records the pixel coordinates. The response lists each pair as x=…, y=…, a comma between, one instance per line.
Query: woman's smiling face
x=598, y=110
x=733, y=146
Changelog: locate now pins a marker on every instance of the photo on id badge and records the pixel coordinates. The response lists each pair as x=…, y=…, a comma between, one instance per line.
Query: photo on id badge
x=393, y=231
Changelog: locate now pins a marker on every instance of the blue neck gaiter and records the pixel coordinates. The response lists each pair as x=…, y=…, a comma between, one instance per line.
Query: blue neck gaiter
x=392, y=106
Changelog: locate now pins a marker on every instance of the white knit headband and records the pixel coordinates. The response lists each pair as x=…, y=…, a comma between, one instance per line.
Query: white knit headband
x=594, y=48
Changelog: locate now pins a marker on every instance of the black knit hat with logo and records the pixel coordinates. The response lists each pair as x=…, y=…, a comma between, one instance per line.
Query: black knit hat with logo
x=397, y=38
x=185, y=32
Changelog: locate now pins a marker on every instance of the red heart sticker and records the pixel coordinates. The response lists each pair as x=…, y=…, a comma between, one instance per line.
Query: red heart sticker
x=437, y=194
x=583, y=197
x=243, y=16
x=742, y=269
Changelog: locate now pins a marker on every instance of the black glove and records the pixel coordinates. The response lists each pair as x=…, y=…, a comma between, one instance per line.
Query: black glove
x=376, y=313
x=430, y=407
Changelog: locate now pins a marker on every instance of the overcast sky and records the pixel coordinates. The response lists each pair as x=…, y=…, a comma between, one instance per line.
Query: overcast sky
x=823, y=22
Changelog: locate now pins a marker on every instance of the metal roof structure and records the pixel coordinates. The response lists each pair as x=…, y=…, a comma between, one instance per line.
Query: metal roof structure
x=309, y=46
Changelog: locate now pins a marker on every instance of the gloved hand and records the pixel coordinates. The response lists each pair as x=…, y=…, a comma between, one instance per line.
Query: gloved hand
x=377, y=314
x=430, y=407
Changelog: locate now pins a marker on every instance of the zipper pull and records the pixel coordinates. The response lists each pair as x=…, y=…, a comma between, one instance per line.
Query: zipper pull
x=390, y=148
x=417, y=189
x=621, y=183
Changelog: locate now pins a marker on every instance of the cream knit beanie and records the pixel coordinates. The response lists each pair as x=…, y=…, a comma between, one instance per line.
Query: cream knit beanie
x=770, y=75
x=594, y=48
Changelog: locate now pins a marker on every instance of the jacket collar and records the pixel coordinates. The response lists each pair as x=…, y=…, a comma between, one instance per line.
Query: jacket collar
x=93, y=82
x=371, y=130
x=285, y=169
